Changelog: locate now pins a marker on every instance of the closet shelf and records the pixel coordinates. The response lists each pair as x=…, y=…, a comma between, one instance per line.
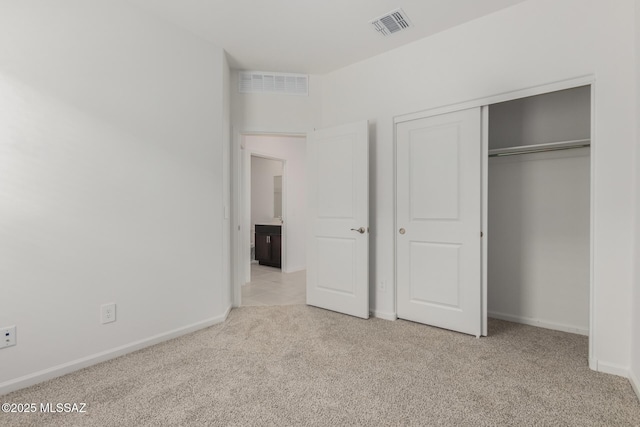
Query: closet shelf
x=539, y=148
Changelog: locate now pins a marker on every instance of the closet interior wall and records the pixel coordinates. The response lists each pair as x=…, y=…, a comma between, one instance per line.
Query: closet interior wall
x=539, y=212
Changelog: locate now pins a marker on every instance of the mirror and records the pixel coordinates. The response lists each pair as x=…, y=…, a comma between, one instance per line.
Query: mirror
x=277, y=196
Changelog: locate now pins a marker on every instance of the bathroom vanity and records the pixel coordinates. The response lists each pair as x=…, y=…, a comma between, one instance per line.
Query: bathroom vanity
x=268, y=240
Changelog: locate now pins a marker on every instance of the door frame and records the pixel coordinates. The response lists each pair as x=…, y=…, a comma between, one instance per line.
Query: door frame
x=239, y=234
x=484, y=103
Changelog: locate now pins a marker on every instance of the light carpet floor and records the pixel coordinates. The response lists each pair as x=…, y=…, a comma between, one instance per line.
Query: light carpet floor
x=299, y=365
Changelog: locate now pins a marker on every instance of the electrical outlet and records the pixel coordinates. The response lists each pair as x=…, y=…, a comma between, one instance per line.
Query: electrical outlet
x=108, y=313
x=382, y=285
x=7, y=336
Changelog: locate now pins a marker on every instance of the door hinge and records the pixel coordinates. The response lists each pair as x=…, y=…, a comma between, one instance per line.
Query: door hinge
x=481, y=235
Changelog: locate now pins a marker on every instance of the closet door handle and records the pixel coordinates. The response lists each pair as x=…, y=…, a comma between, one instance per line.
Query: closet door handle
x=402, y=231
x=360, y=230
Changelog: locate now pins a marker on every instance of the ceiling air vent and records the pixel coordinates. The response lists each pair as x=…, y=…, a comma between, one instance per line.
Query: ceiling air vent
x=392, y=22
x=265, y=82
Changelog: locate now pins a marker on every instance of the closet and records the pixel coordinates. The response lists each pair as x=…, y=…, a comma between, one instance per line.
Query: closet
x=493, y=213
x=538, y=261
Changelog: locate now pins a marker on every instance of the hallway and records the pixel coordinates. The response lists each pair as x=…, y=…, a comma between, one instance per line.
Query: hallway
x=270, y=286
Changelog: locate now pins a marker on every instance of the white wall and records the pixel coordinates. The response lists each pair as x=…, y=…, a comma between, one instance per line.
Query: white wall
x=293, y=151
x=111, y=183
x=635, y=304
x=262, y=201
x=563, y=115
x=530, y=44
x=538, y=239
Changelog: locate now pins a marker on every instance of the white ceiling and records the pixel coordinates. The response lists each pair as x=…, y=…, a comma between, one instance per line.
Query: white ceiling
x=311, y=36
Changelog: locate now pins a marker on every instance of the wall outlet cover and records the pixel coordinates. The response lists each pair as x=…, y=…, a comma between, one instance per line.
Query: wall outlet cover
x=7, y=336
x=108, y=313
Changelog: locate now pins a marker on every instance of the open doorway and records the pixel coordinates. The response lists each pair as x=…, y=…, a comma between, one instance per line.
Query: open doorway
x=265, y=191
x=271, y=219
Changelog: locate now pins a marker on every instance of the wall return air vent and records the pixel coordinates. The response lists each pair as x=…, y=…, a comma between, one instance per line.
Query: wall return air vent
x=392, y=22
x=265, y=82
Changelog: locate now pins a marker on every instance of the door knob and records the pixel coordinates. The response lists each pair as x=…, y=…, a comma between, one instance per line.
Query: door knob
x=402, y=231
x=360, y=230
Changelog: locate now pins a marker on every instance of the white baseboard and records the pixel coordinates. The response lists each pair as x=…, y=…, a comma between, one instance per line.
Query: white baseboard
x=539, y=323
x=609, y=368
x=74, y=365
x=384, y=315
x=635, y=383
x=294, y=269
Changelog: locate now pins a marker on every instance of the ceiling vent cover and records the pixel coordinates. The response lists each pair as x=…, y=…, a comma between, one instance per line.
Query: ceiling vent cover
x=392, y=22
x=265, y=82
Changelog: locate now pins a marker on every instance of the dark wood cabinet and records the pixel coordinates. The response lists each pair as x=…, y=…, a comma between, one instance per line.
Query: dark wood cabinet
x=269, y=245
x=263, y=249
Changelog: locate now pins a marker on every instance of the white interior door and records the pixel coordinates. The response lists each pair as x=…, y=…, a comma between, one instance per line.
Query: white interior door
x=438, y=215
x=338, y=237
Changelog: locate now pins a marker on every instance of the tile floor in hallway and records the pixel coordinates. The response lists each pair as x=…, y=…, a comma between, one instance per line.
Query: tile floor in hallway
x=270, y=286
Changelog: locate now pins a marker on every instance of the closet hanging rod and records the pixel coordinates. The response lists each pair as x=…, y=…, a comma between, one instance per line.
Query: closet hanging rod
x=540, y=148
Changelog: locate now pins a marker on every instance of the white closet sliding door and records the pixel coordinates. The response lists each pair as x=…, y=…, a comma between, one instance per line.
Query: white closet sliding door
x=438, y=243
